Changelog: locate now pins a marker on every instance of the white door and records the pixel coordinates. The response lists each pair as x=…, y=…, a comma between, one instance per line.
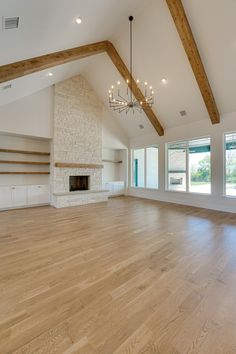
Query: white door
x=19, y=196
x=6, y=197
x=38, y=194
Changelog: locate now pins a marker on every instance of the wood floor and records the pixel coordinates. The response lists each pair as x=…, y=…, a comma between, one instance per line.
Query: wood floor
x=127, y=276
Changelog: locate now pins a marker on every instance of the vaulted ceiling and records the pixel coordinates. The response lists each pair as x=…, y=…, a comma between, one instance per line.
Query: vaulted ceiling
x=49, y=26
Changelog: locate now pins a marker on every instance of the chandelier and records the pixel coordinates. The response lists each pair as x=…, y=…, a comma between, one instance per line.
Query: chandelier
x=126, y=101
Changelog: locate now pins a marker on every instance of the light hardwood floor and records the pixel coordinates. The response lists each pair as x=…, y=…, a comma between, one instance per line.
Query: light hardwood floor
x=127, y=276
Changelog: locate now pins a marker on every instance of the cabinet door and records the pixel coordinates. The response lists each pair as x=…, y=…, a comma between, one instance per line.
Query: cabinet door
x=38, y=194
x=6, y=197
x=121, y=188
x=19, y=196
x=43, y=195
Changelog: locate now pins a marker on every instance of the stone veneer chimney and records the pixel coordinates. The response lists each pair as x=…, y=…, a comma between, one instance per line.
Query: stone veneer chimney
x=77, y=139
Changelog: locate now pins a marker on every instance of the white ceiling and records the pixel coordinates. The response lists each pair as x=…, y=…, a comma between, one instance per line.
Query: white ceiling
x=47, y=26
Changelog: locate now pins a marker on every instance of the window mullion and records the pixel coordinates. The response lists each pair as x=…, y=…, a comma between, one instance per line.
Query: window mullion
x=145, y=167
x=187, y=167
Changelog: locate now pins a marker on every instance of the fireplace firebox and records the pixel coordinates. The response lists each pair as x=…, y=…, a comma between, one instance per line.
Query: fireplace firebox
x=79, y=183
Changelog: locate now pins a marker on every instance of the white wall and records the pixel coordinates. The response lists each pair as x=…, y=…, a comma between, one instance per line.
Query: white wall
x=110, y=172
x=113, y=137
x=114, y=171
x=216, y=200
x=31, y=115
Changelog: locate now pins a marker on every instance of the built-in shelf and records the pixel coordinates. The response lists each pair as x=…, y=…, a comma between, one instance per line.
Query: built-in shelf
x=112, y=161
x=77, y=165
x=24, y=162
x=23, y=173
x=25, y=152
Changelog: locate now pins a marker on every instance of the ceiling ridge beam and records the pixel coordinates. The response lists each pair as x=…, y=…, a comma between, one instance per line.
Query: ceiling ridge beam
x=29, y=66
x=186, y=35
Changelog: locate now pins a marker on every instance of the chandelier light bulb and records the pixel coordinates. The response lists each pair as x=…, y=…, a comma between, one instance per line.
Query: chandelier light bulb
x=145, y=83
x=118, y=82
x=164, y=81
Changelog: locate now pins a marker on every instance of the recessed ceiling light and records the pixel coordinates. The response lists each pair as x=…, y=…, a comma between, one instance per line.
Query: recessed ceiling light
x=164, y=81
x=78, y=20
x=49, y=74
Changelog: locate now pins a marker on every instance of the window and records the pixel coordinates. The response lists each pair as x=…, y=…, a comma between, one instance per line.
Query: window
x=138, y=167
x=145, y=167
x=177, y=163
x=189, y=166
x=230, y=164
x=200, y=166
x=152, y=167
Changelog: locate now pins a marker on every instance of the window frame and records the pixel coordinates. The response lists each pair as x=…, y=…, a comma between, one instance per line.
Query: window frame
x=145, y=167
x=187, y=191
x=224, y=165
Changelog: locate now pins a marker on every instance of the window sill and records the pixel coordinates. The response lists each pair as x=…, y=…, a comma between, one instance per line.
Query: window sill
x=194, y=193
x=146, y=188
x=229, y=196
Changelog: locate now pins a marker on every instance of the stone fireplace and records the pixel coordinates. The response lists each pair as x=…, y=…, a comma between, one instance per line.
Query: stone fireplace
x=77, y=145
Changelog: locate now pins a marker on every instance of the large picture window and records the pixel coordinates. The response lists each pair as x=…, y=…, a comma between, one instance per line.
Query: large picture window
x=230, y=164
x=189, y=166
x=152, y=167
x=145, y=167
x=177, y=166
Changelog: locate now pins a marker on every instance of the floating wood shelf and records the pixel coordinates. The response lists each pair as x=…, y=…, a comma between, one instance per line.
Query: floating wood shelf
x=112, y=161
x=77, y=165
x=25, y=152
x=24, y=162
x=23, y=173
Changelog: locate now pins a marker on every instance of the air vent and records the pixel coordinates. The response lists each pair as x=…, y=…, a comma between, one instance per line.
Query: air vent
x=141, y=126
x=7, y=87
x=183, y=113
x=10, y=23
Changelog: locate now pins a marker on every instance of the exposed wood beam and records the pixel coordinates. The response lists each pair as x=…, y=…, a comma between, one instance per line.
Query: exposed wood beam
x=183, y=27
x=121, y=67
x=30, y=66
x=25, y=67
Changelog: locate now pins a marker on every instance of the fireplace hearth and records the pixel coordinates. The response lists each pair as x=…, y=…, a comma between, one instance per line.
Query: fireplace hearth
x=79, y=183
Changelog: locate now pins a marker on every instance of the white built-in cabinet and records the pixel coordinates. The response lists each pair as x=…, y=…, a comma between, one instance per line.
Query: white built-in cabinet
x=22, y=196
x=38, y=194
x=115, y=188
